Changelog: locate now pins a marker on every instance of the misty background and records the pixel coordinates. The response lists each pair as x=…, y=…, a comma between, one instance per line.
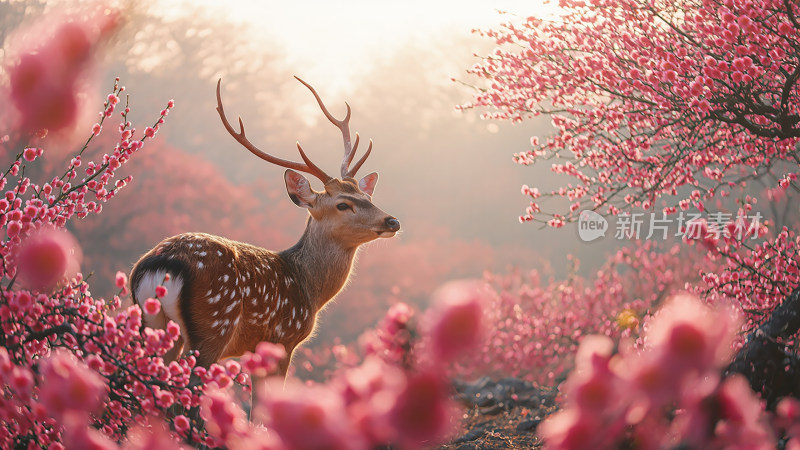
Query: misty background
x=447, y=175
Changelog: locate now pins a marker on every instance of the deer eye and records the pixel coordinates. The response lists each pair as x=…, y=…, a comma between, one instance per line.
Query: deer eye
x=342, y=206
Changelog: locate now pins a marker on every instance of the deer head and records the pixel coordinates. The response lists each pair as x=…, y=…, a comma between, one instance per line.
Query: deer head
x=344, y=209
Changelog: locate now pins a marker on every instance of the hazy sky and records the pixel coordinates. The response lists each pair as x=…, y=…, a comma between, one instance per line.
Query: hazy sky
x=342, y=38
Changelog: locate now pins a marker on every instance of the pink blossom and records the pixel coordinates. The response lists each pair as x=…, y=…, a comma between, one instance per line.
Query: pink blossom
x=121, y=279
x=593, y=386
x=570, y=430
x=44, y=258
x=13, y=228
x=70, y=386
x=30, y=154
x=173, y=330
x=397, y=318
x=181, y=423
x=22, y=300
x=223, y=417
x=458, y=315
x=41, y=104
x=161, y=291
x=79, y=434
x=44, y=84
x=370, y=391
x=265, y=360
x=742, y=422
x=308, y=417
x=153, y=435
x=22, y=381
x=722, y=415
x=152, y=306
x=423, y=410
x=689, y=334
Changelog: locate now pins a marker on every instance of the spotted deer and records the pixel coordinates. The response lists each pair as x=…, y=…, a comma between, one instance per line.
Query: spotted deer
x=228, y=296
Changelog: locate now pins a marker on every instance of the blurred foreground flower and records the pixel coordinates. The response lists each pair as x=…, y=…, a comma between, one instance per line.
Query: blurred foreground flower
x=423, y=411
x=265, y=360
x=309, y=417
x=457, y=318
x=46, y=72
x=69, y=385
x=46, y=257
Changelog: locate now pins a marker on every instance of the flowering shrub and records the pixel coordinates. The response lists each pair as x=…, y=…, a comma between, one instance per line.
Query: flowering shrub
x=46, y=306
x=648, y=97
x=757, y=276
x=533, y=326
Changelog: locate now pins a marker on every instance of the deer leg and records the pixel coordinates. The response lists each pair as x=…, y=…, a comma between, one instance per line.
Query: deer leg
x=260, y=386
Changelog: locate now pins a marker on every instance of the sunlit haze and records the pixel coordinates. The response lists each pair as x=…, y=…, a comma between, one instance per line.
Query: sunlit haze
x=337, y=40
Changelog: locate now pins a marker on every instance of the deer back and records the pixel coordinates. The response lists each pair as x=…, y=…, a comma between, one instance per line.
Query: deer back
x=227, y=296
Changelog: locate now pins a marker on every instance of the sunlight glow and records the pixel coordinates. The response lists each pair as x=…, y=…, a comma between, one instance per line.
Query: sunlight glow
x=337, y=40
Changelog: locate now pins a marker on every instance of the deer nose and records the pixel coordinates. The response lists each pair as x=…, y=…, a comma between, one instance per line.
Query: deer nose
x=392, y=223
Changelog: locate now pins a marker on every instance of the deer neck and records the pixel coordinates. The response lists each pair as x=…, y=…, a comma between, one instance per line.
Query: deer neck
x=320, y=263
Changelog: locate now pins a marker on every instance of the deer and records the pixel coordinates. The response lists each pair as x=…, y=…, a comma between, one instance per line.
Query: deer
x=229, y=296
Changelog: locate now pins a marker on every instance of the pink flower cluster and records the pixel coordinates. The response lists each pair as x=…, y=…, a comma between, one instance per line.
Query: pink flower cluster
x=93, y=367
x=670, y=394
x=756, y=277
x=392, y=341
x=265, y=360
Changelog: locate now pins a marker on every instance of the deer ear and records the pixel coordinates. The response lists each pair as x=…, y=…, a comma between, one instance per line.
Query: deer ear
x=367, y=184
x=299, y=190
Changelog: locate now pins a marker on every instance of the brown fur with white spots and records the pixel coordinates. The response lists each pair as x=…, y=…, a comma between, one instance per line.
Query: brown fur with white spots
x=228, y=296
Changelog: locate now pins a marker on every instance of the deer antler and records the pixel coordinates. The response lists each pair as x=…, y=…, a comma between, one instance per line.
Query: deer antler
x=240, y=137
x=344, y=126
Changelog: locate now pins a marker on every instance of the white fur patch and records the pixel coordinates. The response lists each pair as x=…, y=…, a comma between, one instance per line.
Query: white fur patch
x=169, y=303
